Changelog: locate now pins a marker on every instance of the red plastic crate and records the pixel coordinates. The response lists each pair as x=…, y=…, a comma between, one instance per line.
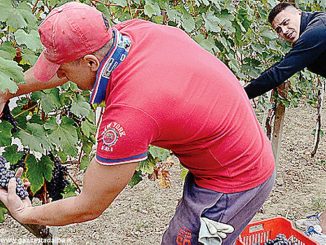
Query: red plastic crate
x=257, y=233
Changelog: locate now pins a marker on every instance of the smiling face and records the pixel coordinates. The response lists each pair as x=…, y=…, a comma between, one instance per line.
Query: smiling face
x=287, y=24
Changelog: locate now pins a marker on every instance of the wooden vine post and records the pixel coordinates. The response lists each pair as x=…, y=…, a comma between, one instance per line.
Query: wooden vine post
x=278, y=123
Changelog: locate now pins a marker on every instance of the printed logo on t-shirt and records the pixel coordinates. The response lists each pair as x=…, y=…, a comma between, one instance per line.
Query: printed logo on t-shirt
x=110, y=135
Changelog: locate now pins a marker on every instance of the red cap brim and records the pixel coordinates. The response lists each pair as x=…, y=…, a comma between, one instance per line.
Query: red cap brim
x=44, y=69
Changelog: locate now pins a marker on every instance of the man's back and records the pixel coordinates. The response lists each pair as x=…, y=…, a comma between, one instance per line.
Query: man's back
x=190, y=103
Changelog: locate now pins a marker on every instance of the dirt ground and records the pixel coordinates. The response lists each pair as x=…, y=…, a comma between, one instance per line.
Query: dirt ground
x=140, y=215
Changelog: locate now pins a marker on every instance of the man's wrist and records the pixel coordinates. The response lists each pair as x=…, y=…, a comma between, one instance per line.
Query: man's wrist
x=25, y=216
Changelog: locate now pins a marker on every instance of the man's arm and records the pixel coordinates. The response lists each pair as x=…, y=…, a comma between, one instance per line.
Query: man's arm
x=307, y=49
x=30, y=85
x=101, y=186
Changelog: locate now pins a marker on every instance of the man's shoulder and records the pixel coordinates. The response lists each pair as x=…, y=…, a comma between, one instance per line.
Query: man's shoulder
x=132, y=22
x=316, y=28
x=318, y=20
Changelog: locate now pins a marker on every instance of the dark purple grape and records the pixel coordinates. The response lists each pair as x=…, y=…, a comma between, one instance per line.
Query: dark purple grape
x=6, y=175
x=58, y=182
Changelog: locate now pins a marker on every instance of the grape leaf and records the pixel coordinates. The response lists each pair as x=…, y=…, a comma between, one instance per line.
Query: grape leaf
x=80, y=107
x=64, y=135
x=152, y=8
x=38, y=171
x=159, y=153
x=5, y=133
x=211, y=22
x=88, y=128
x=5, y=9
x=50, y=100
x=10, y=72
x=121, y=3
x=146, y=166
x=31, y=40
x=34, y=136
x=12, y=154
x=188, y=22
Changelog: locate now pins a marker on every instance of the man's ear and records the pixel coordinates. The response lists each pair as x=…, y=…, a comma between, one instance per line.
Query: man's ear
x=92, y=61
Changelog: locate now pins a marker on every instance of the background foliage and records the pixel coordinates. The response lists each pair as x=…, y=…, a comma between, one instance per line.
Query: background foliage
x=61, y=122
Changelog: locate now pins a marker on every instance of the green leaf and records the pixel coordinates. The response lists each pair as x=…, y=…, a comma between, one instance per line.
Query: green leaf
x=64, y=135
x=146, y=166
x=29, y=57
x=174, y=15
x=84, y=163
x=136, y=178
x=12, y=69
x=206, y=43
x=16, y=20
x=12, y=154
x=26, y=12
x=151, y=8
x=5, y=132
x=69, y=191
x=121, y=3
x=183, y=173
x=3, y=211
x=50, y=100
x=80, y=107
x=160, y=153
x=5, y=9
x=268, y=34
x=205, y=2
x=34, y=136
x=88, y=128
x=104, y=9
x=211, y=22
x=38, y=171
x=31, y=40
x=188, y=22
x=10, y=72
x=7, y=51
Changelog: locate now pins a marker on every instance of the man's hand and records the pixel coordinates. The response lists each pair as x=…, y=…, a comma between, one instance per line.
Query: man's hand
x=12, y=201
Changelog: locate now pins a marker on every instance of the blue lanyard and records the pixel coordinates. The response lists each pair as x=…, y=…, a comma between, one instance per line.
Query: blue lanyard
x=117, y=53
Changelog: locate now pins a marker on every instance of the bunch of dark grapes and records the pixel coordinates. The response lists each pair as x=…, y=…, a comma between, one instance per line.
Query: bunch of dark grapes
x=58, y=183
x=280, y=240
x=8, y=117
x=6, y=175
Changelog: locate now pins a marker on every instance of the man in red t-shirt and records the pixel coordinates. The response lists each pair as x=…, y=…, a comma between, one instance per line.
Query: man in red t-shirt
x=159, y=88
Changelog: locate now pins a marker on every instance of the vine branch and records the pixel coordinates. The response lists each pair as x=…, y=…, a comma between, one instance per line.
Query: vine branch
x=320, y=98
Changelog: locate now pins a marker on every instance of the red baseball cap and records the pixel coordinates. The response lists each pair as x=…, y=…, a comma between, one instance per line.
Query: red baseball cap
x=68, y=33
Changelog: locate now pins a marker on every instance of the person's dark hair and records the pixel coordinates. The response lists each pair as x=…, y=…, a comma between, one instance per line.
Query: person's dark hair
x=277, y=9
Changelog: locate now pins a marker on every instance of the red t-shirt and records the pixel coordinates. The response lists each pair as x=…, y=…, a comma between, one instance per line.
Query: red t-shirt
x=170, y=92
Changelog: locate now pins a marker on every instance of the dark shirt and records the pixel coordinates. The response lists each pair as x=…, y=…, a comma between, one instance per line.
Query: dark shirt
x=308, y=51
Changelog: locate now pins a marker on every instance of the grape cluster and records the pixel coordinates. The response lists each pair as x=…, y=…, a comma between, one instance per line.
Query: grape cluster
x=8, y=117
x=58, y=183
x=281, y=240
x=6, y=175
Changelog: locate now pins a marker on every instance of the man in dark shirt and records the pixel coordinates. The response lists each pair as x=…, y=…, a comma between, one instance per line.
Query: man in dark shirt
x=307, y=33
